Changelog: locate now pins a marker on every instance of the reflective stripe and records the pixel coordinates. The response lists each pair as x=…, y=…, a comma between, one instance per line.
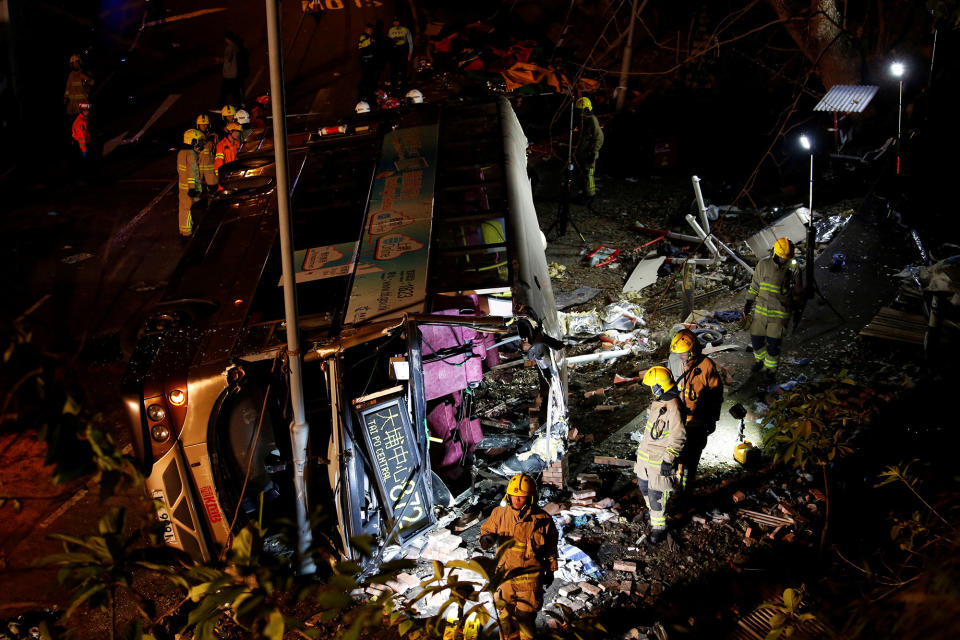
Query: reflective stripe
x=752, y=291
x=771, y=363
x=759, y=355
x=772, y=313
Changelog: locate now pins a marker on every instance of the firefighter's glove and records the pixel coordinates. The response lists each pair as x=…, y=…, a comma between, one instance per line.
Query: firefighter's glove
x=488, y=540
x=747, y=308
x=666, y=469
x=194, y=193
x=83, y=153
x=546, y=579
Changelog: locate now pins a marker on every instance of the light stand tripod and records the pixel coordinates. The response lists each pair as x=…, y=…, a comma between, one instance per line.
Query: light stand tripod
x=566, y=188
x=812, y=288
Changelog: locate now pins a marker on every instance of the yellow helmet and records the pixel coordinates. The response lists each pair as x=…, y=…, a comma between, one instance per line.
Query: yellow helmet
x=228, y=111
x=683, y=342
x=74, y=58
x=584, y=103
x=520, y=485
x=192, y=136
x=203, y=119
x=233, y=126
x=783, y=248
x=659, y=379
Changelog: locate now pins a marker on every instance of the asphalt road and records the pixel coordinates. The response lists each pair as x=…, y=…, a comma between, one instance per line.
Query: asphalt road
x=99, y=253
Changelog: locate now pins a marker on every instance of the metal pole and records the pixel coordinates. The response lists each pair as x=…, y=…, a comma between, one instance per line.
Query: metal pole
x=933, y=55
x=899, y=119
x=299, y=430
x=700, y=204
x=627, y=58
x=811, y=238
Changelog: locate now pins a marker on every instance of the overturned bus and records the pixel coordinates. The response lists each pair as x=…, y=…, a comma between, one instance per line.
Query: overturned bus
x=417, y=251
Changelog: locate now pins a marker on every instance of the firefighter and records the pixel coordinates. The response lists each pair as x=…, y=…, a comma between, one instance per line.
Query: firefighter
x=369, y=71
x=243, y=119
x=228, y=114
x=659, y=449
x=533, y=539
x=774, y=293
x=189, y=181
x=79, y=84
x=228, y=147
x=591, y=140
x=701, y=392
x=207, y=169
x=401, y=49
x=83, y=139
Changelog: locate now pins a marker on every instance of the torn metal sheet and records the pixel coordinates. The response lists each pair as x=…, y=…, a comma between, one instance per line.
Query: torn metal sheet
x=644, y=275
x=575, y=297
x=792, y=226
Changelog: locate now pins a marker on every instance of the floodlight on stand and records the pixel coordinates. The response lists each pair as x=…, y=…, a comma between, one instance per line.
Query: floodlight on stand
x=897, y=69
x=805, y=142
x=807, y=145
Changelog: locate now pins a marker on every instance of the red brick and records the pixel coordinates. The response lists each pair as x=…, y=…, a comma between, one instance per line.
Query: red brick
x=624, y=565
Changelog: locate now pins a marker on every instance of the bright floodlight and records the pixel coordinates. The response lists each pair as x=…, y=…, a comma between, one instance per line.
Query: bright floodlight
x=805, y=142
x=897, y=69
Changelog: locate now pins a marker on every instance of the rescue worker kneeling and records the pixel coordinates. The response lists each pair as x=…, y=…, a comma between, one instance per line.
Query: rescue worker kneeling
x=532, y=537
x=657, y=453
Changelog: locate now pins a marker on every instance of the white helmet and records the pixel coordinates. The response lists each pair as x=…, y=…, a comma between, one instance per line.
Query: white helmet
x=362, y=107
x=242, y=117
x=414, y=96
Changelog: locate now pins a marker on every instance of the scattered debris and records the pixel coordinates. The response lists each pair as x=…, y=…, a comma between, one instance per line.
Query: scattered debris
x=76, y=258
x=581, y=295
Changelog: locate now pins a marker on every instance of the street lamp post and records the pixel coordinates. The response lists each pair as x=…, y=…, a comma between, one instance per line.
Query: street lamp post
x=897, y=69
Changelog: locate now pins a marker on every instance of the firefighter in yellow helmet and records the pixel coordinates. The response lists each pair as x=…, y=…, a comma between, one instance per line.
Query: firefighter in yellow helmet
x=774, y=294
x=207, y=169
x=188, y=178
x=660, y=447
x=701, y=392
x=79, y=85
x=588, y=148
x=533, y=548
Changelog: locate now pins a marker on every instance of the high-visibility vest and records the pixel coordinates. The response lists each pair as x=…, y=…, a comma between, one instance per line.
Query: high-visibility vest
x=365, y=46
x=226, y=152
x=399, y=36
x=81, y=132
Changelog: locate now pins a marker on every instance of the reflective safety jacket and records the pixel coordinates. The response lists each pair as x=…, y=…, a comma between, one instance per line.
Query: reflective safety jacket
x=81, y=132
x=535, y=541
x=366, y=47
x=400, y=37
x=664, y=433
x=701, y=390
x=776, y=288
x=77, y=90
x=188, y=171
x=226, y=152
x=207, y=152
x=591, y=137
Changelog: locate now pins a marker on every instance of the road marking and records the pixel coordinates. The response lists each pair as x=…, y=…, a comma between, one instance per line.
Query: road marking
x=113, y=143
x=75, y=498
x=127, y=228
x=62, y=509
x=166, y=104
x=184, y=16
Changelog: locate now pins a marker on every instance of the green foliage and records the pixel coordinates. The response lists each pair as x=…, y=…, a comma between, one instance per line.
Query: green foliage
x=946, y=11
x=99, y=568
x=38, y=398
x=912, y=586
x=788, y=618
x=815, y=422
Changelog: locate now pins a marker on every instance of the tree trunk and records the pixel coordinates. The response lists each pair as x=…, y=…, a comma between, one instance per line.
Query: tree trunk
x=818, y=33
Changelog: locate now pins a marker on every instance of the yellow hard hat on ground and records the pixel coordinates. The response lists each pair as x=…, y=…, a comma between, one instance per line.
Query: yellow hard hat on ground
x=203, y=119
x=228, y=111
x=659, y=379
x=783, y=248
x=683, y=342
x=520, y=485
x=191, y=136
x=584, y=103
